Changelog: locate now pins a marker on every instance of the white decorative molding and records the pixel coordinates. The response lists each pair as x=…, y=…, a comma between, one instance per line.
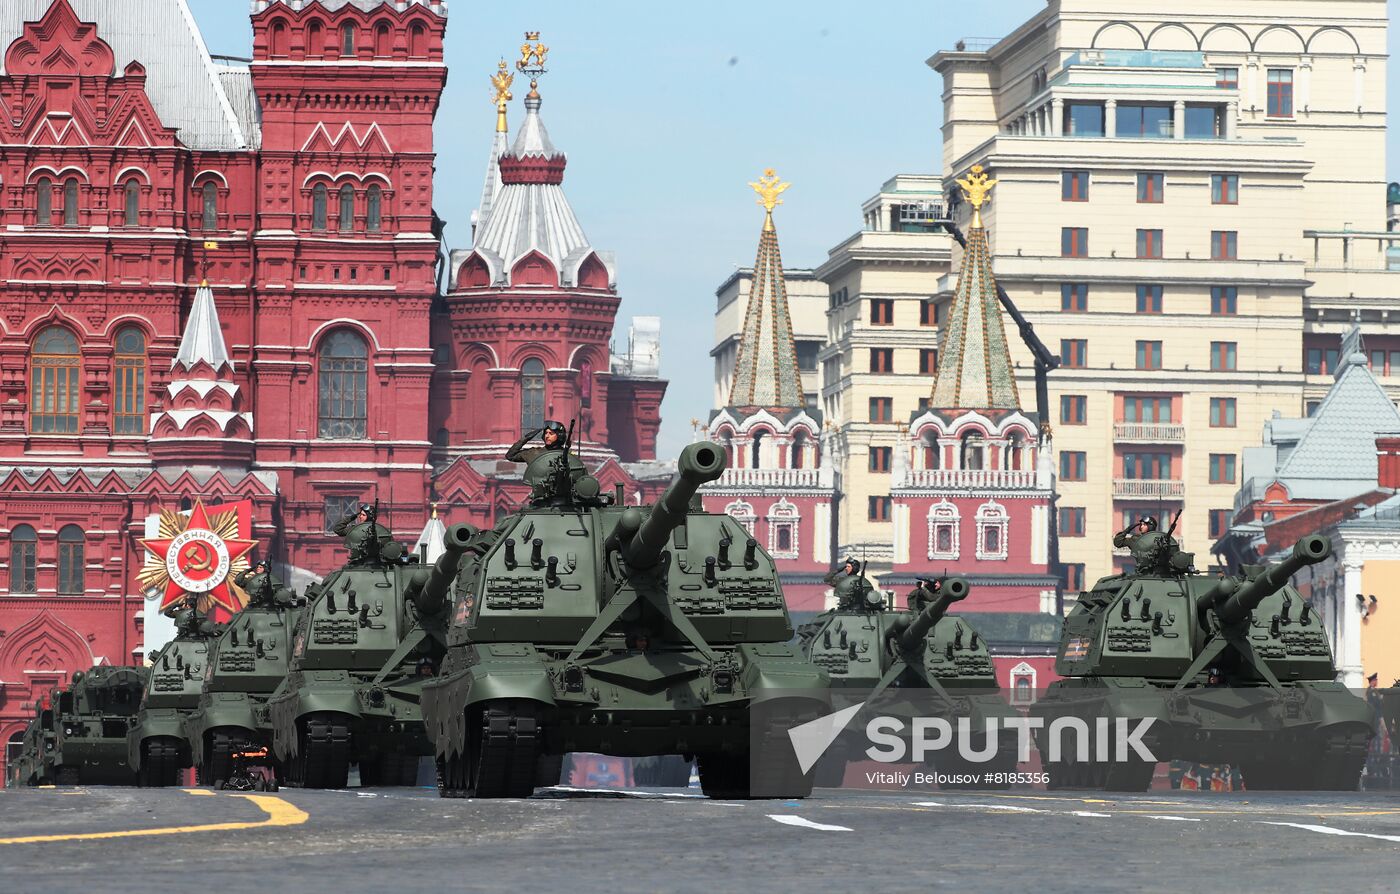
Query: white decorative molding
x=783, y=515
x=1021, y=681
x=742, y=513
x=992, y=517
x=943, y=516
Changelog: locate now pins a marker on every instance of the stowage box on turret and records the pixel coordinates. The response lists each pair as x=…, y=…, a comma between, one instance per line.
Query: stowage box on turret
x=157, y=749
x=1230, y=669
x=243, y=668
x=372, y=633
x=584, y=625
x=914, y=663
x=91, y=720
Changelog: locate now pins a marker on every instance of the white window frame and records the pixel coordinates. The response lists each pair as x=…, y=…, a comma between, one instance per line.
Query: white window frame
x=1022, y=671
x=742, y=513
x=992, y=514
x=783, y=514
x=943, y=513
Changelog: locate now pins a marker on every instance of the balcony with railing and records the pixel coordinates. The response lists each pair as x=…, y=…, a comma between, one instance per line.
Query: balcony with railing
x=1149, y=432
x=777, y=478
x=1148, y=489
x=983, y=479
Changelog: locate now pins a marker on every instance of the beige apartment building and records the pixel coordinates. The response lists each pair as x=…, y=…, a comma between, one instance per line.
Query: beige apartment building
x=1191, y=207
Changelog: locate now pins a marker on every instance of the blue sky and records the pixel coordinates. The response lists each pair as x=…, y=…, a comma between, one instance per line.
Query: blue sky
x=667, y=110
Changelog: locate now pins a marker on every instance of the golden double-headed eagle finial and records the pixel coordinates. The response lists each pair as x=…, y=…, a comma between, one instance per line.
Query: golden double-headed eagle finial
x=976, y=187
x=769, y=187
x=500, y=93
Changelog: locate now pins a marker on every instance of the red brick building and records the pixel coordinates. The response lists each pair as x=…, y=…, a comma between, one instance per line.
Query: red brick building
x=133, y=165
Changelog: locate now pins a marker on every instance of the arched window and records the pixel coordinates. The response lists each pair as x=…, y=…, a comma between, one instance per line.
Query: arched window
x=70, y=561
x=347, y=39
x=22, y=543
x=70, y=202
x=992, y=524
x=756, y=449
x=131, y=216
x=53, y=402
x=943, y=522
x=531, y=395
x=374, y=208
x=342, y=385
x=383, y=43
x=346, y=219
x=210, y=216
x=418, y=41
x=277, y=39
x=14, y=748
x=973, y=447
x=318, y=207
x=932, y=459
x=315, y=40
x=1015, y=445
x=742, y=513
x=799, y=449
x=43, y=202
x=129, y=385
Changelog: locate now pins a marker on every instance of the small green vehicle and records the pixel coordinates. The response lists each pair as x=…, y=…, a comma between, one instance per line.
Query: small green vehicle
x=243, y=667
x=916, y=663
x=582, y=625
x=157, y=749
x=1233, y=669
x=92, y=718
x=28, y=767
x=371, y=636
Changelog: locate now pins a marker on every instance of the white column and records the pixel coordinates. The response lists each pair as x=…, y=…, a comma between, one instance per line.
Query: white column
x=1057, y=117
x=1232, y=120
x=1302, y=98
x=1110, y=118
x=1179, y=119
x=1348, y=643
x=1252, y=86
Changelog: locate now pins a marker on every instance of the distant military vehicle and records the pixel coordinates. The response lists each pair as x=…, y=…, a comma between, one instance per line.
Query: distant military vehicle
x=1232, y=669
x=585, y=625
x=29, y=767
x=242, y=669
x=371, y=635
x=157, y=749
x=91, y=720
x=914, y=663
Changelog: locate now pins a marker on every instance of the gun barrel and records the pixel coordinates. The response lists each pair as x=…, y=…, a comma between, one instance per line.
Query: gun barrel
x=953, y=589
x=1223, y=589
x=428, y=591
x=1308, y=551
x=700, y=463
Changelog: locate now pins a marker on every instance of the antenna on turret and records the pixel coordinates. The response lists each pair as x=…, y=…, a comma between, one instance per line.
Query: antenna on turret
x=1175, y=519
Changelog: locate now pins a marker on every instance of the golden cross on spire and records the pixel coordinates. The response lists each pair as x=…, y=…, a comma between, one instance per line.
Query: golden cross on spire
x=976, y=187
x=769, y=187
x=500, y=93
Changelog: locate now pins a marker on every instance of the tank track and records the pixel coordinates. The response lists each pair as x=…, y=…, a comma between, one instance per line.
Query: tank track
x=160, y=763
x=1333, y=764
x=390, y=768
x=324, y=758
x=772, y=773
x=218, y=758
x=67, y=776
x=500, y=758
x=1133, y=775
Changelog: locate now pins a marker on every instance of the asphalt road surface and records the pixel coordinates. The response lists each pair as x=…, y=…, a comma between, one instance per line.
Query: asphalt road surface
x=95, y=839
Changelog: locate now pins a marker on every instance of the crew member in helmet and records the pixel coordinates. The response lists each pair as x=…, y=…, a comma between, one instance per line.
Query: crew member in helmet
x=848, y=584
x=365, y=513
x=553, y=435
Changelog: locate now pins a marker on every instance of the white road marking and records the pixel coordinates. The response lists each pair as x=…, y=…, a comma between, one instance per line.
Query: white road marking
x=1090, y=813
x=1329, y=830
x=1010, y=807
x=803, y=823
x=927, y=804
x=1176, y=819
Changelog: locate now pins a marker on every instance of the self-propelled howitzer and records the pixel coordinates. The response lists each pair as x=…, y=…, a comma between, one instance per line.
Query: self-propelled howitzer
x=583, y=625
x=1235, y=669
x=91, y=720
x=371, y=635
x=157, y=749
x=912, y=663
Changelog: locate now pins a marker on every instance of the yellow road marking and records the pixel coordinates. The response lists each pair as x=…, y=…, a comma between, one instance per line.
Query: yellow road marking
x=279, y=813
x=197, y=791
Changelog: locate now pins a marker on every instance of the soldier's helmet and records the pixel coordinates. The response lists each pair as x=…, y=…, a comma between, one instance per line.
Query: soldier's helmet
x=365, y=539
x=556, y=427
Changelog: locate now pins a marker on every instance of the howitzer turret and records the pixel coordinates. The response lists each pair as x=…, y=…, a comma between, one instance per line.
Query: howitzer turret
x=1232, y=608
x=429, y=587
x=700, y=463
x=910, y=634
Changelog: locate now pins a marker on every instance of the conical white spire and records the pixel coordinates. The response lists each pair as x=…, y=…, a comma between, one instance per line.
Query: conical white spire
x=204, y=338
x=492, y=187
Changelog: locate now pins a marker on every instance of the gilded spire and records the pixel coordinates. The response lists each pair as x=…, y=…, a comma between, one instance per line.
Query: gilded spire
x=500, y=90
x=976, y=187
x=765, y=370
x=974, y=363
x=769, y=188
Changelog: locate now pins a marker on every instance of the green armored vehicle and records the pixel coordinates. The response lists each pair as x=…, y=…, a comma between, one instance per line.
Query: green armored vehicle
x=91, y=720
x=372, y=634
x=913, y=663
x=157, y=749
x=584, y=625
x=243, y=668
x=1233, y=669
x=30, y=766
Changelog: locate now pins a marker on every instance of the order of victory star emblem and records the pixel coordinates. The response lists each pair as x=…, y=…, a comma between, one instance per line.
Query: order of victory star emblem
x=194, y=557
